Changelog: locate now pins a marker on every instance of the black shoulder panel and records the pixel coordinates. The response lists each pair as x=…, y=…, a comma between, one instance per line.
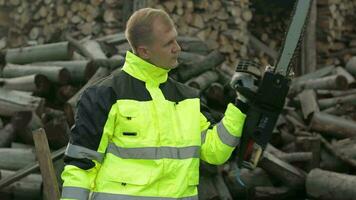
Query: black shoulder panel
x=176, y=92
x=93, y=109
x=128, y=87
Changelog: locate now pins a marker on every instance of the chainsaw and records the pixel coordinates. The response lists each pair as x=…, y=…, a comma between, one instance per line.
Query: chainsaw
x=267, y=100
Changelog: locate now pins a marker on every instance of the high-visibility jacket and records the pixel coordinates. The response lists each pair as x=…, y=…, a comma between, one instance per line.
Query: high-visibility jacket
x=139, y=135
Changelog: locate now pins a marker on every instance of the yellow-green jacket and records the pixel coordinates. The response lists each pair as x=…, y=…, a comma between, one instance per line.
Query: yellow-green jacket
x=139, y=135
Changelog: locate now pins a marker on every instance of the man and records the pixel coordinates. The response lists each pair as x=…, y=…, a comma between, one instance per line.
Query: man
x=139, y=134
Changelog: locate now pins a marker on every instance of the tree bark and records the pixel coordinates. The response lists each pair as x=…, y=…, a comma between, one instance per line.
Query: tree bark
x=46, y=52
x=308, y=103
x=193, y=69
x=329, y=185
x=80, y=70
x=15, y=159
x=50, y=184
x=282, y=171
x=333, y=125
x=26, y=188
x=12, y=102
x=55, y=74
x=202, y=81
x=37, y=83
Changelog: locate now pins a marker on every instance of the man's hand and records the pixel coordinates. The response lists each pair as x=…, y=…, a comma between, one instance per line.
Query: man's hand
x=245, y=81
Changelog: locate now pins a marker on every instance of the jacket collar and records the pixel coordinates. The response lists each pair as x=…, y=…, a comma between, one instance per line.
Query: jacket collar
x=143, y=70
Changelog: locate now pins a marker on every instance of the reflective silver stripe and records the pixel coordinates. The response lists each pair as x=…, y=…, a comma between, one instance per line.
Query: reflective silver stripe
x=226, y=137
x=107, y=196
x=75, y=193
x=203, y=136
x=76, y=151
x=155, y=152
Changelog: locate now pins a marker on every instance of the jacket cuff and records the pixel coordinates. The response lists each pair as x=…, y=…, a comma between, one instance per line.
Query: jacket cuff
x=234, y=120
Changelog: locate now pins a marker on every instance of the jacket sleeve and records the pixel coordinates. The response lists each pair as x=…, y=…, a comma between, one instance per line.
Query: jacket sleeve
x=220, y=140
x=88, y=141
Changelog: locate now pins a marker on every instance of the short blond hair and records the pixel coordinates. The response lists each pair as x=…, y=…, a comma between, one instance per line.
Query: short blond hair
x=139, y=27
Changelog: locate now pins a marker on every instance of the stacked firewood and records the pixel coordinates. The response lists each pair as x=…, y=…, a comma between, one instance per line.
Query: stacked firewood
x=40, y=86
x=222, y=24
x=44, y=21
x=311, y=151
x=336, y=30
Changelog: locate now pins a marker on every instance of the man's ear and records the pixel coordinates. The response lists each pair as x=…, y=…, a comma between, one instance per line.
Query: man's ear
x=142, y=52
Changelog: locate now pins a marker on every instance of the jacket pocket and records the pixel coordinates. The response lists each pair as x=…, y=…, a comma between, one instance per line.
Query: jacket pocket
x=130, y=177
x=126, y=171
x=129, y=120
x=193, y=177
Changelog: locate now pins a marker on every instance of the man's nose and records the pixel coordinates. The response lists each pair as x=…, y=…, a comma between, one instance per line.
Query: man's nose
x=176, y=48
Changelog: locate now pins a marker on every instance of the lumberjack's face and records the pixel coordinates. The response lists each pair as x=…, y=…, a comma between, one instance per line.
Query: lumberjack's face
x=164, y=50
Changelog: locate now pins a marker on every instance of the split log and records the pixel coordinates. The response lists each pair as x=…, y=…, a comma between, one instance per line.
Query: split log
x=187, y=57
x=94, y=49
x=250, y=178
x=329, y=185
x=56, y=127
x=114, y=39
x=221, y=188
x=111, y=64
x=327, y=103
x=311, y=144
x=332, y=125
x=27, y=188
x=340, y=110
x=202, y=81
x=80, y=70
x=325, y=71
x=327, y=82
x=206, y=188
x=335, y=93
x=215, y=95
x=308, y=103
x=271, y=193
x=51, y=189
x=191, y=44
x=12, y=102
x=345, y=159
x=7, y=135
x=341, y=71
x=351, y=66
x=29, y=169
x=46, y=52
x=14, y=159
x=37, y=83
x=17, y=145
x=24, y=123
x=212, y=60
x=55, y=74
x=259, y=45
x=297, y=157
x=288, y=174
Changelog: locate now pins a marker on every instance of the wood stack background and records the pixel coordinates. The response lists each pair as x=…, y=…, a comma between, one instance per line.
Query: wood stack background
x=40, y=85
x=336, y=30
x=223, y=24
x=336, y=33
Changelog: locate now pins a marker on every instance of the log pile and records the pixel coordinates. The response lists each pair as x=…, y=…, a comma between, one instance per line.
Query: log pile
x=314, y=131
x=222, y=24
x=311, y=151
x=45, y=21
x=335, y=30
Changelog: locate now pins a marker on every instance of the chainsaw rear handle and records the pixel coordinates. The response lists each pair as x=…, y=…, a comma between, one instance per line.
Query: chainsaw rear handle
x=262, y=115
